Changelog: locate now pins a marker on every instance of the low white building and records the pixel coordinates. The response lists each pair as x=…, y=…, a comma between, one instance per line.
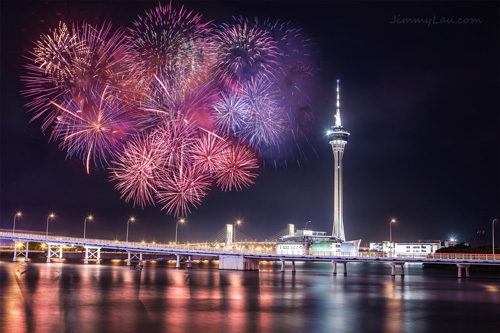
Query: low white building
x=420, y=247
x=291, y=248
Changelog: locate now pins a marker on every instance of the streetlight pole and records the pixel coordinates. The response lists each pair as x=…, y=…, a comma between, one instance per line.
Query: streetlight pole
x=14, y=226
x=51, y=216
x=238, y=222
x=176, y=227
x=305, y=227
x=390, y=236
x=85, y=225
x=493, y=236
x=132, y=219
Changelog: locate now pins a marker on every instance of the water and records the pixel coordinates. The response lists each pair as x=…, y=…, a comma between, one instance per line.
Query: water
x=72, y=297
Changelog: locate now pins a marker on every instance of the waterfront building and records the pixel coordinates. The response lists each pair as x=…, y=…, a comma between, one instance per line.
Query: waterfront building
x=304, y=242
x=420, y=247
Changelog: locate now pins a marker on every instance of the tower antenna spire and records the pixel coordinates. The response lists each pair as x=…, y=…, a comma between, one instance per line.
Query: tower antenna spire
x=338, y=122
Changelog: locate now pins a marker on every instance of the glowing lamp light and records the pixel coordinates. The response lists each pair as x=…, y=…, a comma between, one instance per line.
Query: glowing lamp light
x=19, y=214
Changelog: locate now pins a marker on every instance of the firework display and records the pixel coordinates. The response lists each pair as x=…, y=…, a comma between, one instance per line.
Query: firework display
x=173, y=106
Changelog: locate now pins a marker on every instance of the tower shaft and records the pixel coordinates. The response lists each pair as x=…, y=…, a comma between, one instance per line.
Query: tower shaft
x=338, y=197
x=338, y=139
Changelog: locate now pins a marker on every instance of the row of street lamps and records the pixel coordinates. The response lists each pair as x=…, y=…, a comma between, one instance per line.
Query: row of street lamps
x=238, y=222
x=88, y=218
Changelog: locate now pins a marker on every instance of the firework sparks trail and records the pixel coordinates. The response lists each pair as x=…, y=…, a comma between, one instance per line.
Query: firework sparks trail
x=93, y=128
x=177, y=139
x=238, y=168
x=64, y=62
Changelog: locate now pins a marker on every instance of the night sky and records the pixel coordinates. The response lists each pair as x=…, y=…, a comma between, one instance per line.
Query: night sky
x=421, y=103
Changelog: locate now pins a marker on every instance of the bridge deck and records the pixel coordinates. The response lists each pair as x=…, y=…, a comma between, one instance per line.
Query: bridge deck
x=259, y=253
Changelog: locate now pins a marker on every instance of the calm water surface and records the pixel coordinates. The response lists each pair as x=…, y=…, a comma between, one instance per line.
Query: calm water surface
x=72, y=297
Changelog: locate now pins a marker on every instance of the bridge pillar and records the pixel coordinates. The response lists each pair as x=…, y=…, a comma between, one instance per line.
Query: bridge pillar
x=238, y=262
x=189, y=262
x=54, y=250
x=20, y=250
x=335, y=262
x=128, y=258
x=92, y=252
x=460, y=270
x=98, y=256
x=293, y=266
x=140, y=258
x=393, y=270
x=26, y=257
x=282, y=265
x=178, y=263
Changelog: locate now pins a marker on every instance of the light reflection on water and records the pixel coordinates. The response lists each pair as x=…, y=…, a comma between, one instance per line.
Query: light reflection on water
x=71, y=297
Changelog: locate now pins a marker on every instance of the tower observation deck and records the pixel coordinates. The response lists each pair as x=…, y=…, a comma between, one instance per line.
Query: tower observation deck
x=338, y=139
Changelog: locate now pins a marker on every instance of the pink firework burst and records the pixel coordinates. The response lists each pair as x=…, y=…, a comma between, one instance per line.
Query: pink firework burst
x=137, y=170
x=209, y=152
x=181, y=188
x=238, y=168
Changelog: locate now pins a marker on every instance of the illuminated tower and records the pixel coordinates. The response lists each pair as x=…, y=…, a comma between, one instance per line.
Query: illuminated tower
x=338, y=139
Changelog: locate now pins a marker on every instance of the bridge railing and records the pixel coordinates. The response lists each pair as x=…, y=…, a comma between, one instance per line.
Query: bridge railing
x=235, y=248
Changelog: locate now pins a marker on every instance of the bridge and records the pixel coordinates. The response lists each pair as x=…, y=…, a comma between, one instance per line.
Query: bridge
x=237, y=256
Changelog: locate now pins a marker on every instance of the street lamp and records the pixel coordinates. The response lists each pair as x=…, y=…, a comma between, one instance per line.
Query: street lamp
x=390, y=236
x=493, y=236
x=238, y=222
x=90, y=217
x=305, y=227
x=132, y=219
x=176, y=226
x=51, y=216
x=18, y=214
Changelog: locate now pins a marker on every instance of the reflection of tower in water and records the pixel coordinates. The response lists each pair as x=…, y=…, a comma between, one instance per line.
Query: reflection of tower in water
x=338, y=139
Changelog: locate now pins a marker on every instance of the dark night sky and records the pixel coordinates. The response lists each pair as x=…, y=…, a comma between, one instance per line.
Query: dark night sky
x=421, y=104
